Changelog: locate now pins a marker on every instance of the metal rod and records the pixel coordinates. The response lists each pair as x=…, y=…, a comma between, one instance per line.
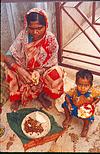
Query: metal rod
x=83, y=15
x=77, y=68
x=80, y=60
x=97, y=24
x=82, y=30
x=80, y=54
x=93, y=12
x=59, y=29
x=78, y=4
x=80, y=34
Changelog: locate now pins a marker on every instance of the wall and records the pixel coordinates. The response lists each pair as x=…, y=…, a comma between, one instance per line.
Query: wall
x=12, y=19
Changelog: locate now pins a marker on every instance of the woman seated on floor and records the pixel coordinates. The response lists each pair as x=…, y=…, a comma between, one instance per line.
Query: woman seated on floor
x=32, y=66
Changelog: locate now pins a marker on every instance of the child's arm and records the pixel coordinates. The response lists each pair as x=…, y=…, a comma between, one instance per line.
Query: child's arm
x=96, y=101
x=68, y=102
x=69, y=97
x=96, y=95
x=81, y=100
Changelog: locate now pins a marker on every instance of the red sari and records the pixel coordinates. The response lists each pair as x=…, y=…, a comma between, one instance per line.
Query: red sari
x=44, y=59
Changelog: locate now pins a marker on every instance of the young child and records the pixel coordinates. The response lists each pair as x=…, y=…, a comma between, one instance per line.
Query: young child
x=82, y=94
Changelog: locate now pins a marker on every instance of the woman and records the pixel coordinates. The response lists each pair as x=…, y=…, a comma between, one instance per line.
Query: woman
x=32, y=53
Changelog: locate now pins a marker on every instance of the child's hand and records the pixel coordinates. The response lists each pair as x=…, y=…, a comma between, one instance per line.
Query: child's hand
x=69, y=104
x=81, y=100
x=96, y=101
x=70, y=107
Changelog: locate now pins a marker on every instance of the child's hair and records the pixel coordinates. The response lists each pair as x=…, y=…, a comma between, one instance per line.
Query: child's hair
x=33, y=16
x=84, y=73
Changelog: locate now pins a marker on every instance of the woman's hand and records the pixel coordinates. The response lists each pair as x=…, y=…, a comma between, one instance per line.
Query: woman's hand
x=35, y=77
x=24, y=75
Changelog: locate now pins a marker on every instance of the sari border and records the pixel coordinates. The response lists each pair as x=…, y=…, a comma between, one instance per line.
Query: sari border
x=42, y=140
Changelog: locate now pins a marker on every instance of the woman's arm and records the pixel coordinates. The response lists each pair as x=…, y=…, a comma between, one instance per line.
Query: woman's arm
x=12, y=65
x=8, y=60
x=14, y=56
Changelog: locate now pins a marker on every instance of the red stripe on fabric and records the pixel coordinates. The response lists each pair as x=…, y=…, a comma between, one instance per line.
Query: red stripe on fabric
x=49, y=53
x=14, y=67
x=0, y=110
x=36, y=64
x=30, y=63
x=15, y=97
x=30, y=97
x=8, y=78
x=53, y=95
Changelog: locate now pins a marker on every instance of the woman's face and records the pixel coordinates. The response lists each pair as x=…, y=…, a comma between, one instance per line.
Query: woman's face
x=36, y=30
x=83, y=85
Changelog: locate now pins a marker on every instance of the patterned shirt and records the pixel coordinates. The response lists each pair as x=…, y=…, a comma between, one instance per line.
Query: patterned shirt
x=88, y=97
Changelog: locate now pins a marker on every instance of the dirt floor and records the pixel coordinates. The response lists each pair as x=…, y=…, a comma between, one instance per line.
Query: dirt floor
x=70, y=141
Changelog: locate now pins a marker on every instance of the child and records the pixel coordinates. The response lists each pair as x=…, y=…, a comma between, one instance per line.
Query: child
x=83, y=93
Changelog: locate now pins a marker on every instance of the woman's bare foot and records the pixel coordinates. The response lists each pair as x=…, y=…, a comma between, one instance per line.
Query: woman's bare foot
x=14, y=106
x=84, y=131
x=46, y=103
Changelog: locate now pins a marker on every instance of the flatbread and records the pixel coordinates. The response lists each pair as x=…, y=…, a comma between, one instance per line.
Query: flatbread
x=85, y=111
x=36, y=125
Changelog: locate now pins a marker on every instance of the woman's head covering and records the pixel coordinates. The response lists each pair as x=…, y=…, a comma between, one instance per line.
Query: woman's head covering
x=39, y=11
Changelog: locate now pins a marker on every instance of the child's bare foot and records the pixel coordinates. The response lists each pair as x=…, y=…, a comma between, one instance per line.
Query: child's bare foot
x=84, y=131
x=66, y=122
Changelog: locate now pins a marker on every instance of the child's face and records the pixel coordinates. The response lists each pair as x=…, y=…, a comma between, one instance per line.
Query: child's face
x=83, y=85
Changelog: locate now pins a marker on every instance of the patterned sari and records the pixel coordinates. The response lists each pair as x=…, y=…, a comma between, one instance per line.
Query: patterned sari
x=45, y=58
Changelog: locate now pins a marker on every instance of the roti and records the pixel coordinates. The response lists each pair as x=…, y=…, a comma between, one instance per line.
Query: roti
x=85, y=111
x=36, y=125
